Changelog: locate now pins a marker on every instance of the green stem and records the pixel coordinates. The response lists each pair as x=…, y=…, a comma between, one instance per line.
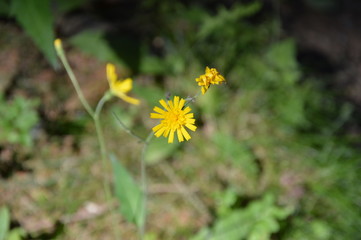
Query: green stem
x=95, y=117
x=143, y=172
x=100, y=136
x=143, y=179
x=191, y=99
x=101, y=103
x=74, y=81
x=127, y=130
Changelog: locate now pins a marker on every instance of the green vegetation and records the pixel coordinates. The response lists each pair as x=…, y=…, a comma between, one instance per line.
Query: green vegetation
x=271, y=158
x=18, y=118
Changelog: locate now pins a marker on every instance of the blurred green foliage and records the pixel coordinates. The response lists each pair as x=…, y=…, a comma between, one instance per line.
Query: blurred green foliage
x=18, y=118
x=37, y=20
x=270, y=122
x=5, y=232
x=257, y=221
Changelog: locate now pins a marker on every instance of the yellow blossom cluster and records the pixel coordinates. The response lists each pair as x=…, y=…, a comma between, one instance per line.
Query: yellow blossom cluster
x=211, y=77
x=175, y=116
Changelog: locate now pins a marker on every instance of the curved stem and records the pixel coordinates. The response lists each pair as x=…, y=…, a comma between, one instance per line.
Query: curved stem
x=74, y=81
x=95, y=117
x=101, y=103
x=127, y=130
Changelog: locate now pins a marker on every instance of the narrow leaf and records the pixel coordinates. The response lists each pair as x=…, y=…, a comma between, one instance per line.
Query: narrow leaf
x=37, y=20
x=4, y=222
x=128, y=193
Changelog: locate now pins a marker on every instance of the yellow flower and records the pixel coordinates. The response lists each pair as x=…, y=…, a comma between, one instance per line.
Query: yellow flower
x=175, y=118
x=120, y=88
x=211, y=76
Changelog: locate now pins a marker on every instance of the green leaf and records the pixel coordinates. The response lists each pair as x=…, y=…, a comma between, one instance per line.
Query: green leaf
x=128, y=193
x=37, y=20
x=4, y=222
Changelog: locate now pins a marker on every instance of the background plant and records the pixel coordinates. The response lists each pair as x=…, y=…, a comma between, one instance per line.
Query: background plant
x=18, y=119
x=275, y=138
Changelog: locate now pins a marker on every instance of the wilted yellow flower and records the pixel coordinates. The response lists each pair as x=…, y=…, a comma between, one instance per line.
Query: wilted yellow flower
x=175, y=118
x=118, y=87
x=211, y=76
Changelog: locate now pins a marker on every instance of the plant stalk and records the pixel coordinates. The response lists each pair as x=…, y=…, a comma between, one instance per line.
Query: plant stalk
x=95, y=116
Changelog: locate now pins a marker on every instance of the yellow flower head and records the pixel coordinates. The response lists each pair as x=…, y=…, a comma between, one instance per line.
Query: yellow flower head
x=211, y=76
x=120, y=88
x=175, y=118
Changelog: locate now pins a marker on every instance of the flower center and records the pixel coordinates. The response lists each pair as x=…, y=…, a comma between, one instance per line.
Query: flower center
x=175, y=118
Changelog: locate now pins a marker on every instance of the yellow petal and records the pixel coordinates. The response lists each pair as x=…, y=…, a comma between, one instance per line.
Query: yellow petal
x=126, y=85
x=181, y=103
x=189, y=115
x=158, y=110
x=164, y=104
x=171, y=137
x=121, y=86
x=170, y=104
x=156, y=115
x=180, y=135
x=176, y=101
x=166, y=132
x=156, y=128
x=127, y=98
x=191, y=127
x=190, y=121
x=111, y=74
x=185, y=133
x=187, y=110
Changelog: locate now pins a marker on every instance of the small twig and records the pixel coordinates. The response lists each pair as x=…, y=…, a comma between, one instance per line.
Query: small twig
x=191, y=99
x=127, y=130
